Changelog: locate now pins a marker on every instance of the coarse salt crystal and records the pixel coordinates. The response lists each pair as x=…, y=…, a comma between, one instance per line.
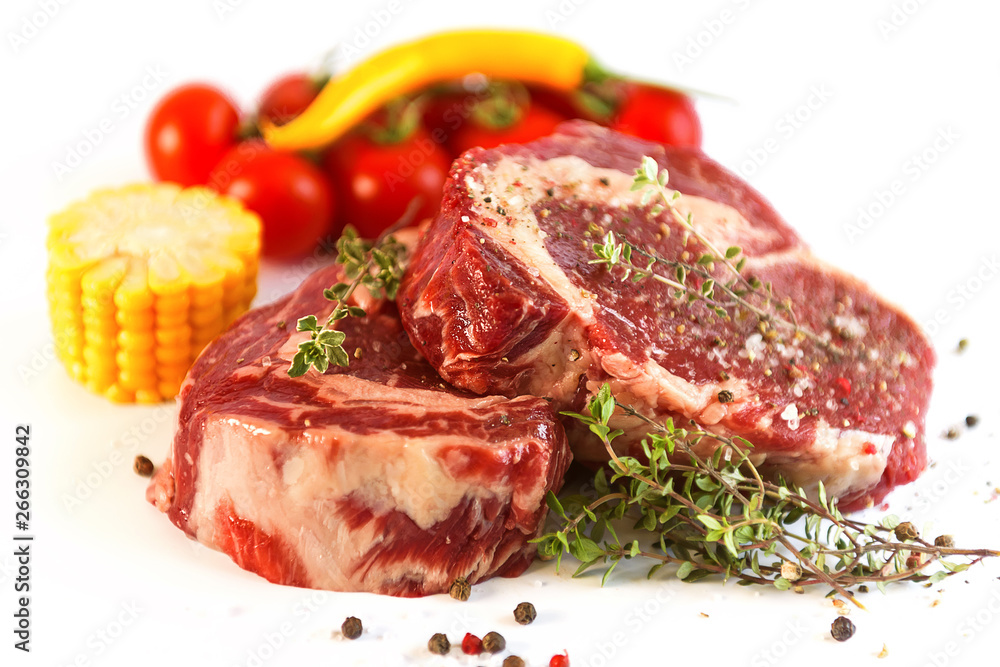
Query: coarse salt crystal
x=791, y=415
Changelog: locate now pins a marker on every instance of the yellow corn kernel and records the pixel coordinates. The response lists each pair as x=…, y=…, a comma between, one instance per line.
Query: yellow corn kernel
x=173, y=356
x=140, y=278
x=167, y=338
x=149, y=396
x=169, y=387
x=135, y=362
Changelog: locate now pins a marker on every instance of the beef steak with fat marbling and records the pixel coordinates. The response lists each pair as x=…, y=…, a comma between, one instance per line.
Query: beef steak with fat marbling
x=377, y=477
x=501, y=298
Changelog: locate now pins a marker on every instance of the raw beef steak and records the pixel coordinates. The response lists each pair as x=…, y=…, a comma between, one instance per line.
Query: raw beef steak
x=501, y=298
x=377, y=477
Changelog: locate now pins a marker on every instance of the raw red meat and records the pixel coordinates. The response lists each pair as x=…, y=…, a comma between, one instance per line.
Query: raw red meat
x=377, y=477
x=501, y=298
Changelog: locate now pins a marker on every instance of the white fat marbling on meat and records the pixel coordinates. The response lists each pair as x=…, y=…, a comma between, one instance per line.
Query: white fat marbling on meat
x=841, y=458
x=326, y=468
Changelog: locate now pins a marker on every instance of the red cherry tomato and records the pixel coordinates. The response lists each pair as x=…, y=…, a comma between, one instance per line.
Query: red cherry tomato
x=188, y=132
x=287, y=97
x=659, y=114
x=446, y=111
x=560, y=660
x=291, y=196
x=535, y=122
x=375, y=183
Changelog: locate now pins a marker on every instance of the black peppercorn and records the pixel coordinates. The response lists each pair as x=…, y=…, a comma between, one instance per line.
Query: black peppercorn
x=971, y=420
x=493, y=642
x=842, y=629
x=460, y=589
x=725, y=396
x=142, y=466
x=351, y=627
x=513, y=661
x=439, y=644
x=525, y=613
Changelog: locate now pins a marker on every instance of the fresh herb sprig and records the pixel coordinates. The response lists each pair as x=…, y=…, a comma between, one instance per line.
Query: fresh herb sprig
x=717, y=515
x=735, y=292
x=379, y=267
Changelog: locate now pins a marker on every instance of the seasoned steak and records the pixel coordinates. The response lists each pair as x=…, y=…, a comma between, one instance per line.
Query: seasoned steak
x=378, y=477
x=501, y=297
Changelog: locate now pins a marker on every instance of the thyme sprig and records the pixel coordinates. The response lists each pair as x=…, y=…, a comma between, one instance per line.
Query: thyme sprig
x=379, y=267
x=717, y=515
x=737, y=291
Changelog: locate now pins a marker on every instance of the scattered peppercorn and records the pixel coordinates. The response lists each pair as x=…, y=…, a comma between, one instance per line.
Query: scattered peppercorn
x=460, y=589
x=962, y=345
x=605, y=180
x=951, y=434
x=791, y=571
x=471, y=644
x=550, y=191
x=439, y=644
x=351, y=627
x=725, y=396
x=946, y=541
x=862, y=588
x=525, y=613
x=906, y=531
x=513, y=661
x=842, y=629
x=142, y=466
x=493, y=642
x=971, y=421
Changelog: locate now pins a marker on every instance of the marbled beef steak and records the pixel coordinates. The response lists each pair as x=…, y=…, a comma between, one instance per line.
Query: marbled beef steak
x=501, y=298
x=378, y=477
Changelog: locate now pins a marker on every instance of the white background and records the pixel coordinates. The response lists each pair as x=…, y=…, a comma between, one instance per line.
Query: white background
x=113, y=583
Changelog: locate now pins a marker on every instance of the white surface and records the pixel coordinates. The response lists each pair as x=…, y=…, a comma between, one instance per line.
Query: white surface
x=115, y=584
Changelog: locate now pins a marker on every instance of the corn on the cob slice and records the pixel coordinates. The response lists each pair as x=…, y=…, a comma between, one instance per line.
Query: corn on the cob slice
x=141, y=278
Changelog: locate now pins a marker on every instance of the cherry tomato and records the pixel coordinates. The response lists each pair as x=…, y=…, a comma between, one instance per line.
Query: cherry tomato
x=560, y=660
x=659, y=114
x=534, y=122
x=189, y=131
x=291, y=196
x=445, y=111
x=375, y=183
x=579, y=103
x=287, y=97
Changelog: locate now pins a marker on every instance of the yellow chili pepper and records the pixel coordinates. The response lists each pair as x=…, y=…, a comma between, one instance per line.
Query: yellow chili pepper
x=498, y=54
